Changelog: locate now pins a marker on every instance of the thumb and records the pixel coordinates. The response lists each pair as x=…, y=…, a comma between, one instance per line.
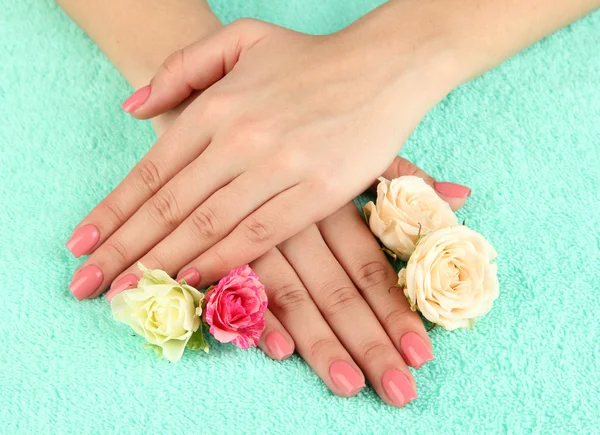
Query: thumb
x=195, y=67
x=454, y=194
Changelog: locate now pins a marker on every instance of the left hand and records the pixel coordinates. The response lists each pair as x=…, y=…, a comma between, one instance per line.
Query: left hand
x=291, y=128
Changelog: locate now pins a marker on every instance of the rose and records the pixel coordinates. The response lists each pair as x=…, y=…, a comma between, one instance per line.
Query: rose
x=235, y=308
x=406, y=208
x=163, y=311
x=449, y=277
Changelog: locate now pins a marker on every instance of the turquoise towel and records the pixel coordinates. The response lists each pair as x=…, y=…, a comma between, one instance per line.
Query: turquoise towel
x=525, y=137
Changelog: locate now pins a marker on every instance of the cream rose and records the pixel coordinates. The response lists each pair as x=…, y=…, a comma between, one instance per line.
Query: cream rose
x=450, y=278
x=163, y=311
x=405, y=208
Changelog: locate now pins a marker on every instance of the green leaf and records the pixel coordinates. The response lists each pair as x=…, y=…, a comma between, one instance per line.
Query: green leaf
x=155, y=348
x=197, y=340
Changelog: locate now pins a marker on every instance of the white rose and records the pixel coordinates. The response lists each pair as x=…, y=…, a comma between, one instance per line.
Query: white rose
x=163, y=311
x=450, y=278
x=405, y=208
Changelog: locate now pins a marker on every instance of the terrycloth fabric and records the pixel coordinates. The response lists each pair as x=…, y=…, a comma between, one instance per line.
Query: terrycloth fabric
x=525, y=137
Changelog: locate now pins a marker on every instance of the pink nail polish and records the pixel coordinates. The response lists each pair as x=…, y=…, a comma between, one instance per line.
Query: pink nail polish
x=452, y=190
x=83, y=239
x=415, y=350
x=123, y=284
x=191, y=276
x=398, y=387
x=86, y=282
x=346, y=378
x=278, y=345
x=136, y=99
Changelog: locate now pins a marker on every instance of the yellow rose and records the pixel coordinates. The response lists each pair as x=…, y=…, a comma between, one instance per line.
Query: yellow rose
x=164, y=312
x=405, y=208
x=450, y=278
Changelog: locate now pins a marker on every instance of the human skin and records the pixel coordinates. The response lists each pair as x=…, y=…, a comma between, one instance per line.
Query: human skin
x=426, y=52
x=342, y=318
x=265, y=151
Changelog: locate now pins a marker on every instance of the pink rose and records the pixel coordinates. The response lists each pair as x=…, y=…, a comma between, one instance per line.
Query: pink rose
x=235, y=308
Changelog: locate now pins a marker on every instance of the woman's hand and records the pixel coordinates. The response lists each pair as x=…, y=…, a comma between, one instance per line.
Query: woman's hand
x=332, y=299
x=290, y=128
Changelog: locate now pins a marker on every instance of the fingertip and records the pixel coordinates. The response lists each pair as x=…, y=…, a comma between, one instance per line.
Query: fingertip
x=121, y=285
x=136, y=100
x=278, y=346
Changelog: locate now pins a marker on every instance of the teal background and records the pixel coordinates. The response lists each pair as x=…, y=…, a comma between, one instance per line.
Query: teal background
x=525, y=137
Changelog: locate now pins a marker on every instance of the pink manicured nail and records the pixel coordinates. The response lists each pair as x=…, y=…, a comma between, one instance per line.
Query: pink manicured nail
x=415, y=350
x=278, y=345
x=191, y=276
x=452, y=190
x=398, y=387
x=83, y=239
x=123, y=284
x=346, y=378
x=86, y=282
x=136, y=99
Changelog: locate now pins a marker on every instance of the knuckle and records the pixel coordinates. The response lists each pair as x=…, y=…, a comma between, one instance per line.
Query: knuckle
x=325, y=181
x=258, y=232
x=396, y=318
x=320, y=347
x=338, y=299
x=163, y=209
x=291, y=159
x=249, y=132
x=372, y=350
x=372, y=274
x=116, y=250
x=174, y=62
x=288, y=297
x=216, y=104
x=113, y=209
x=157, y=260
x=404, y=167
x=149, y=176
x=203, y=223
x=219, y=263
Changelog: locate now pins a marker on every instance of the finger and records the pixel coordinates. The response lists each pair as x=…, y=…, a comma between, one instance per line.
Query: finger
x=194, y=67
x=275, y=341
x=179, y=146
x=290, y=302
x=358, y=252
x=157, y=218
x=272, y=223
x=454, y=194
x=204, y=227
x=350, y=317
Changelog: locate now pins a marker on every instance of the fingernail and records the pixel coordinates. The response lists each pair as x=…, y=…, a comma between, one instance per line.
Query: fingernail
x=136, y=99
x=452, y=190
x=86, y=282
x=278, y=345
x=398, y=387
x=415, y=350
x=191, y=277
x=83, y=239
x=123, y=284
x=346, y=378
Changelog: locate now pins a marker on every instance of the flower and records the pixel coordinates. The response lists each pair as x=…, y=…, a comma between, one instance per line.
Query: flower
x=450, y=278
x=406, y=208
x=235, y=308
x=166, y=313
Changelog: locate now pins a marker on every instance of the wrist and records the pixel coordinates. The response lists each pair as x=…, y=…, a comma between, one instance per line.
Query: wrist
x=412, y=42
